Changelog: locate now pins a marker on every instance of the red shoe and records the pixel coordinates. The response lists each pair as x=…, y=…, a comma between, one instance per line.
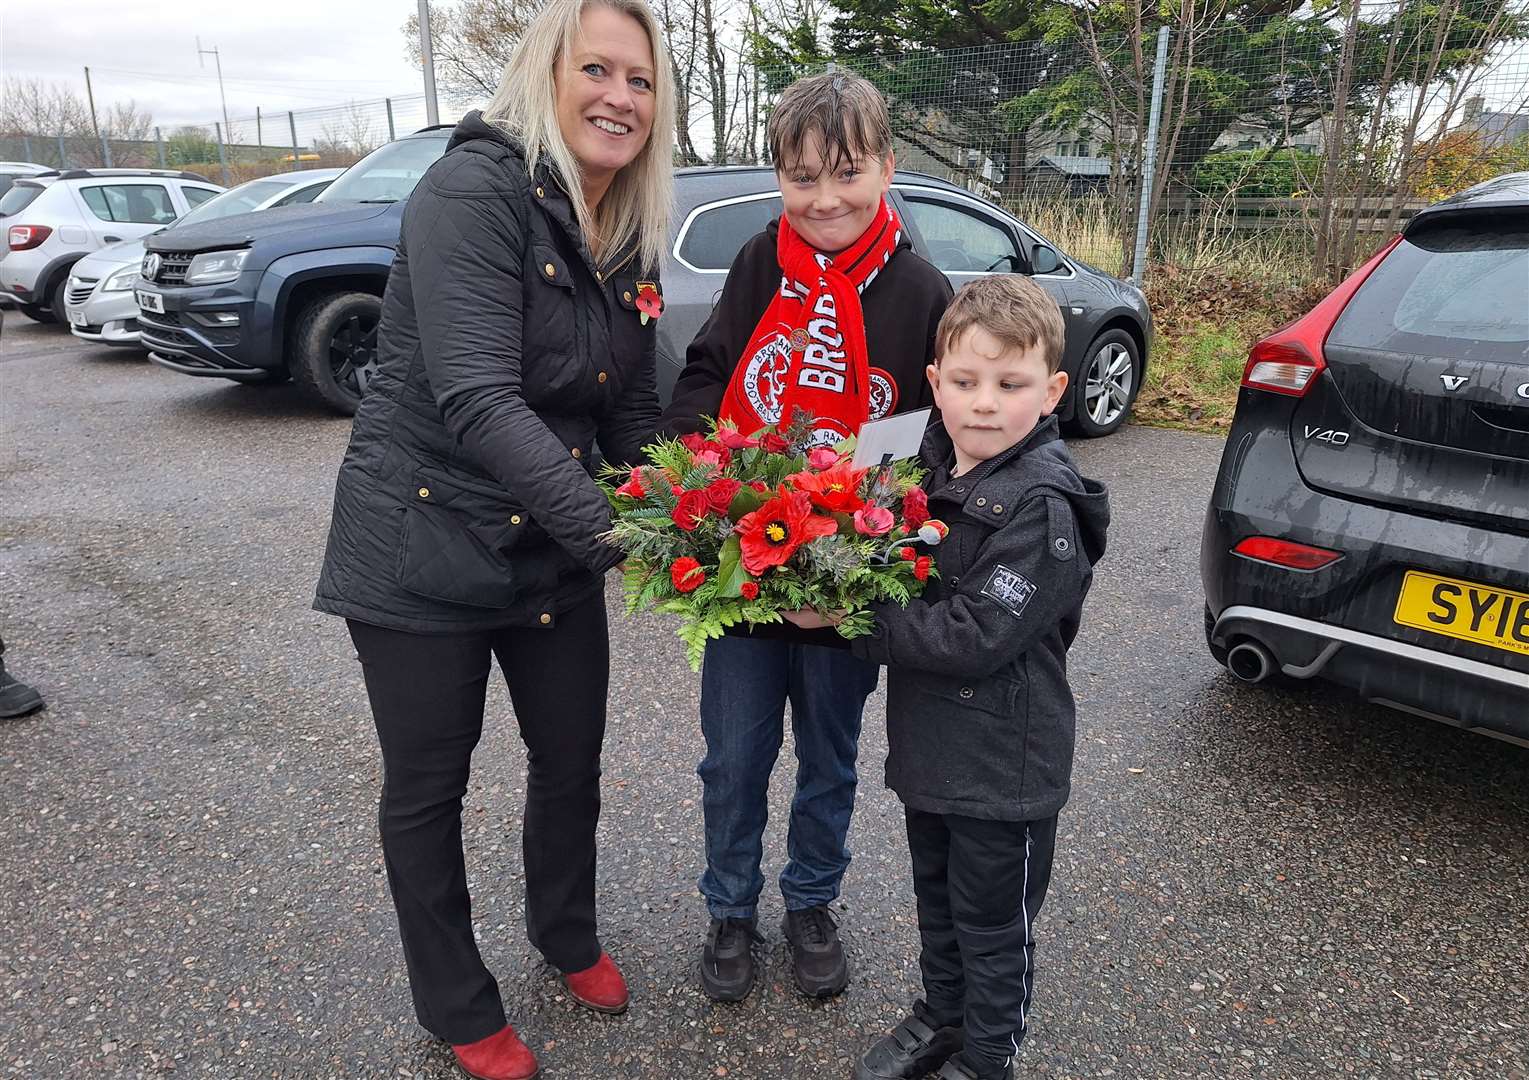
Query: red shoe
x=600, y=987
x=501, y=1056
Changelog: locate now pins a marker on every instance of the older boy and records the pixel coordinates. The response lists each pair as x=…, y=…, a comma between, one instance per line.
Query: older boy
x=979, y=711
x=828, y=309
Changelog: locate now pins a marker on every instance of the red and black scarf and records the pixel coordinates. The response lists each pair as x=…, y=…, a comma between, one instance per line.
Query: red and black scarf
x=809, y=347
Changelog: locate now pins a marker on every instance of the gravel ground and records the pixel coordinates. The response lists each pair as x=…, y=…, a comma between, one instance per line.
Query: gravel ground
x=1248, y=883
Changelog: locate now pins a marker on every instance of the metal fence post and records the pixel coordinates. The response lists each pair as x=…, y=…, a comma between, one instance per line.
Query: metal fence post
x=222, y=157
x=26, y=145
x=297, y=160
x=259, y=137
x=63, y=155
x=391, y=136
x=1149, y=165
x=159, y=144
x=106, y=152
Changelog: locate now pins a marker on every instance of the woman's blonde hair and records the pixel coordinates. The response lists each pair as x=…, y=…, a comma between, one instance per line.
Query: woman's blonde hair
x=638, y=204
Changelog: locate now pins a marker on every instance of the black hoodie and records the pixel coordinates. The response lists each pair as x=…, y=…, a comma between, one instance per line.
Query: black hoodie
x=979, y=710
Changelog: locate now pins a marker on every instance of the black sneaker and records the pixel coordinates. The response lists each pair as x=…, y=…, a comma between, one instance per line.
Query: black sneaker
x=816, y=955
x=958, y=1068
x=914, y=1049
x=727, y=962
x=16, y=698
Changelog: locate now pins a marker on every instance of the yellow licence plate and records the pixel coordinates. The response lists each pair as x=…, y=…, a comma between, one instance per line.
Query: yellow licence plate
x=1460, y=609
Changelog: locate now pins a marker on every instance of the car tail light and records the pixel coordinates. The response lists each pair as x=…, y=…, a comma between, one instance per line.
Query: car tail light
x=25, y=237
x=1289, y=360
x=1286, y=553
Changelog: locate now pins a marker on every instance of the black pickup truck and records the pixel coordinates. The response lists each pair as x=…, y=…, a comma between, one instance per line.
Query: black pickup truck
x=293, y=292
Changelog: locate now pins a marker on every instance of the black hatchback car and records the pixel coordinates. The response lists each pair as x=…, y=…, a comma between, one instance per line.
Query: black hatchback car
x=1370, y=521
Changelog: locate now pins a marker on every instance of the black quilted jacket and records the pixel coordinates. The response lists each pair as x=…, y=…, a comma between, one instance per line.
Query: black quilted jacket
x=465, y=499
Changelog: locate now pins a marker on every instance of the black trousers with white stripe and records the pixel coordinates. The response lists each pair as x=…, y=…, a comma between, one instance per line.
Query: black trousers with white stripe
x=980, y=885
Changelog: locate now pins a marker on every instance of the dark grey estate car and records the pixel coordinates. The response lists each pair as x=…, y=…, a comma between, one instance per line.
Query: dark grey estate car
x=1109, y=330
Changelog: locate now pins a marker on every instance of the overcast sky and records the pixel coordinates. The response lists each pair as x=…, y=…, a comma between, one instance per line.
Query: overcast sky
x=278, y=54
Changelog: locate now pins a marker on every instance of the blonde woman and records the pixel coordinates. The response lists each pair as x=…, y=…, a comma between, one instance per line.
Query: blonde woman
x=466, y=522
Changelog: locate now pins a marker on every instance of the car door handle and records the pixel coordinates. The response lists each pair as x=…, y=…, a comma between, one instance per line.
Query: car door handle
x=112, y=239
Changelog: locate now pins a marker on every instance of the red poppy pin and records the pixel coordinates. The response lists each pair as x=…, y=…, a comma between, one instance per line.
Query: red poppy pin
x=650, y=305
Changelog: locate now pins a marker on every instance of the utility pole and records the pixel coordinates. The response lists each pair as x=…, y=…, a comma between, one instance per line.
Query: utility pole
x=432, y=114
x=218, y=60
x=94, y=126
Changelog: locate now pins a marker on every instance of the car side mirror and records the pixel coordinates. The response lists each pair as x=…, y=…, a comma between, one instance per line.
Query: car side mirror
x=1044, y=260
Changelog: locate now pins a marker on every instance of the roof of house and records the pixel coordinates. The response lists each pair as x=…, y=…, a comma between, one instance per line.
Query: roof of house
x=1073, y=165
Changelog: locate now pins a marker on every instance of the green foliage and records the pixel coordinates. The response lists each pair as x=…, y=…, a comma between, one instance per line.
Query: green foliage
x=1263, y=174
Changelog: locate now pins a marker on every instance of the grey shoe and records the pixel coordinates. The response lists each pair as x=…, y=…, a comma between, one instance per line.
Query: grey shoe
x=727, y=961
x=816, y=954
x=914, y=1049
x=16, y=697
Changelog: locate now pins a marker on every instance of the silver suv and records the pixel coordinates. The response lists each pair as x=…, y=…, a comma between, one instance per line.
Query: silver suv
x=54, y=219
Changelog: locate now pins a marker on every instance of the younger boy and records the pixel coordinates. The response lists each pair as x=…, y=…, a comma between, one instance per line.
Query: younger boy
x=831, y=310
x=979, y=711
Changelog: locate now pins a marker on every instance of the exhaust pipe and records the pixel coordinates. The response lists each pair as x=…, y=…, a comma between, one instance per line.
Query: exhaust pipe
x=1250, y=662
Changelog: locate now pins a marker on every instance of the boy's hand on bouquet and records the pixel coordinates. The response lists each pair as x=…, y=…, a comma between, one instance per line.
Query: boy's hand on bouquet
x=812, y=619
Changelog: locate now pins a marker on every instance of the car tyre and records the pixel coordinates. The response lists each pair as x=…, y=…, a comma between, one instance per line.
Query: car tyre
x=42, y=313
x=1108, y=381
x=334, y=348
x=56, y=303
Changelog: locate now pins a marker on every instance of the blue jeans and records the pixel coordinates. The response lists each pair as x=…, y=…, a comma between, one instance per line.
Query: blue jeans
x=745, y=685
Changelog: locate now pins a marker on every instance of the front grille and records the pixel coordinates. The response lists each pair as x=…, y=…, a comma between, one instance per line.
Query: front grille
x=172, y=268
x=79, y=289
x=168, y=335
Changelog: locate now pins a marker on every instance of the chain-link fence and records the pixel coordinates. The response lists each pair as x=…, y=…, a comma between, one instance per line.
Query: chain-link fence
x=1286, y=145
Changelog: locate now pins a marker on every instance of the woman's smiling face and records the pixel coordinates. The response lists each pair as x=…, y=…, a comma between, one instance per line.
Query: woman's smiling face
x=830, y=204
x=605, y=95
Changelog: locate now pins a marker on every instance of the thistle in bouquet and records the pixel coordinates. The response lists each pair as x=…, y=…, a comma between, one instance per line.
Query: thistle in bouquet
x=726, y=528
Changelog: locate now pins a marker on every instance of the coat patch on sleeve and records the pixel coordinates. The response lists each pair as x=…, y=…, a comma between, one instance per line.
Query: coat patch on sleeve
x=1010, y=588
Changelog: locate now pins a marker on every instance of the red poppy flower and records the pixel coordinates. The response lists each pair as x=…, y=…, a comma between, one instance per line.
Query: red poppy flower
x=915, y=508
x=874, y=520
x=633, y=487
x=686, y=574
x=649, y=302
x=733, y=439
x=770, y=535
x=821, y=457
x=692, y=507
x=749, y=590
x=773, y=443
x=921, y=568
x=835, y=490
x=720, y=493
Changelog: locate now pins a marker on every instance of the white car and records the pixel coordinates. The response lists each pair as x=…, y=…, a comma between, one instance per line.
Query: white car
x=54, y=219
x=98, y=298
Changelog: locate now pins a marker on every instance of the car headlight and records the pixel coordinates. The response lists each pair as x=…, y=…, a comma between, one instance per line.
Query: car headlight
x=122, y=280
x=216, y=267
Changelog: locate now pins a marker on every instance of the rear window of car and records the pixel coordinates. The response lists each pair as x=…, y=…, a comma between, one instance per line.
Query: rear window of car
x=717, y=233
x=19, y=197
x=1458, y=290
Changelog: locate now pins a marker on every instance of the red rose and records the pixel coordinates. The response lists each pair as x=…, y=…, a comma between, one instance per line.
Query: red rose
x=692, y=507
x=874, y=520
x=773, y=443
x=749, y=590
x=720, y=493
x=759, y=486
x=921, y=568
x=836, y=490
x=633, y=487
x=821, y=457
x=770, y=535
x=915, y=508
x=707, y=457
x=907, y=554
x=693, y=442
x=686, y=574
x=733, y=439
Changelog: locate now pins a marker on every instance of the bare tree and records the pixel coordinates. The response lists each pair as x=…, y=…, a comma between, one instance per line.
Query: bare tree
x=349, y=134
x=471, y=43
x=675, y=18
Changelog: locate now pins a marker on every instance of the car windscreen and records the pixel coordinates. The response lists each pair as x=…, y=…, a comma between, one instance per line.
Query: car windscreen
x=1459, y=289
x=387, y=174
x=239, y=200
x=19, y=197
